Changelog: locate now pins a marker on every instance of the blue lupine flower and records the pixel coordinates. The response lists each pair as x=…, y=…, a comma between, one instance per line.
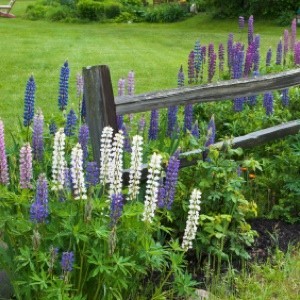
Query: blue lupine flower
x=153, y=129
x=279, y=53
x=29, y=101
x=285, y=97
x=116, y=208
x=172, y=119
x=268, y=103
x=38, y=212
x=252, y=100
x=83, y=139
x=92, y=174
x=67, y=261
x=68, y=179
x=191, y=67
x=230, y=51
x=268, y=57
x=37, y=136
x=52, y=128
x=41, y=195
x=71, y=123
x=83, y=109
x=180, y=77
x=250, y=30
x=188, y=117
x=195, y=131
x=197, y=59
x=64, y=86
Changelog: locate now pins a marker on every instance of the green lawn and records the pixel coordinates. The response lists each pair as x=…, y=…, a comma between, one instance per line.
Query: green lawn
x=154, y=51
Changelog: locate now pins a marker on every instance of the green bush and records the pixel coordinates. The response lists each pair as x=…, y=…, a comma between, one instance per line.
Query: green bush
x=165, y=13
x=90, y=10
x=36, y=12
x=112, y=9
x=58, y=13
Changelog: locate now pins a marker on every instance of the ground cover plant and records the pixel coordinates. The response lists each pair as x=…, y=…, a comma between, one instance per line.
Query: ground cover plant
x=75, y=230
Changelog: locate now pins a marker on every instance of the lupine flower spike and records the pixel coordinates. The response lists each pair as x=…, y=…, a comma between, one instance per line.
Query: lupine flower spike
x=279, y=53
x=67, y=262
x=192, y=221
x=191, y=67
x=293, y=34
x=269, y=57
x=285, y=97
x=4, y=176
x=37, y=137
x=285, y=45
x=92, y=174
x=64, y=86
x=153, y=129
x=83, y=139
x=297, y=54
x=58, y=161
x=121, y=92
x=105, y=157
x=29, y=101
x=26, y=167
x=71, y=123
x=152, y=187
x=250, y=30
x=77, y=174
x=268, y=103
x=135, y=167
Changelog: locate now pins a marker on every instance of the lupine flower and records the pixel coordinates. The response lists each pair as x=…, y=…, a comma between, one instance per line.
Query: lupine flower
x=252, y=100
x=250, y=30
x=297, y=54
x=37, y=137
x=121, y=92
x=285, y=44
x=285, y=97
x=83, y=109
x=171, y=182
x=52, y=128
x=279, y=53
x=221, y=53
x=256, y=61
x=211, y=50
x=192, y=220
x=29, y=101
x=268, y=58
x=212, y=57
x=241, y=23
x=26, y=166
x=127, y=146
x=152, y=187
x=130, y=83
x=197, y=59
x=203, y=54
x=180, y=77
x=230, y=51
x=237, y=63
x=153, y=129
x=83, y=139
x=68, y=179
x=268, y=103
x=116, y=168
x=293, y=33
x=105, y=151
x=142, y=124
x=4, y=176
x=172, y=119
x=67, y=262
x=39, y=210
x=188, y=117
x=191, y=67
x=79, y=85
x=116, y=207
x=64, y=86
x=71, y=123
x=195, y=131
x=135, y=167
x=92, y=174
x=58, y=160
x=249, y=60
x=77, y=175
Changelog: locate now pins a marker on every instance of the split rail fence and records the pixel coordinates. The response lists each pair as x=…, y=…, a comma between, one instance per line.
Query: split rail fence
x=102, y=107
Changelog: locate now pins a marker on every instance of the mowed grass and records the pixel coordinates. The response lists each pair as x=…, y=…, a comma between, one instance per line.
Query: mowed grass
x=154, y=51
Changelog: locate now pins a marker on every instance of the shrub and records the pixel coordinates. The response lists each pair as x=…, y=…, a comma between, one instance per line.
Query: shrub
x=112, y=9
x=36, y=12
x=58, y=13
x=90, y=10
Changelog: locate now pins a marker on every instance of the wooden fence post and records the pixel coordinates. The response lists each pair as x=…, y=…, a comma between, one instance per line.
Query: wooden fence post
x=100, y=104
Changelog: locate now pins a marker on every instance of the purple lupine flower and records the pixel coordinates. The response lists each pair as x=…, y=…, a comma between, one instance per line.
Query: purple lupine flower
x=293, y=34
x=191, y=67
x=211, y=50
x=153, y=129
x=121, y=92
x=67, y=179
x=26, y=166
x=83, y=109
x=92, y=173
x=116, y=207
x=249, y=60
x=198, y=59
x=241, y=23
x=4, y=176
x=79, y=85
x=180, y=77
x=52, y=128
x=29, y=101
x=230, y=51
x=64, y=86
x=142, y=124
x=37, y=137
x=211, y=135
x=256, y=42
x=83, y=139
x=195, y=131
x=172, y=119
x=188, y=117
x=71, y=123
x=285, y=45
x=203, y=53
x=297, y=54
x=161, y=193
x=130, y=83
x=171, y=180
x=269, y=57
x=285, y=97
x=238, y=104
x=279, y=53
x=39, y=210
x=221, y=53
x=268, y=103
x=127, y=146
x=212, y=66
x=237, y=63
x=67, y=261
x=252, y=100
x=250, y=30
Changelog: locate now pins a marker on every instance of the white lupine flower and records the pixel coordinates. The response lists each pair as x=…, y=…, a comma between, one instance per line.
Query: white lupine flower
x=152, y=187
x=58, y=160
x=116, y=166
x=136, y=167
x=77, y=173
x=105, y=154
x=192, y=221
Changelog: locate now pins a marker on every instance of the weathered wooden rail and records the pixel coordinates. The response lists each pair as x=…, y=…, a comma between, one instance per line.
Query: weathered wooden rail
x=103, y=107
